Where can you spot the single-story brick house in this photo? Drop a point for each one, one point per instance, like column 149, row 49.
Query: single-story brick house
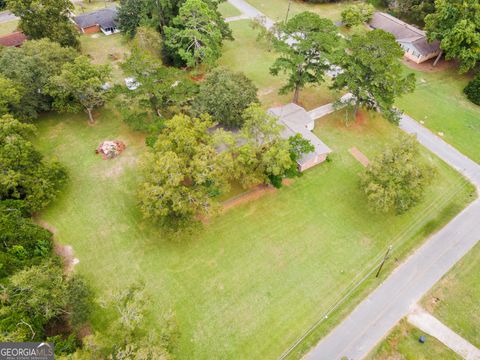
column 413, row 40
column 104, row 20
column 296, row 120
column 15, row 39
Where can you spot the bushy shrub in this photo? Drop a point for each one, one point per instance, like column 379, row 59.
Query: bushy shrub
column 472, row 90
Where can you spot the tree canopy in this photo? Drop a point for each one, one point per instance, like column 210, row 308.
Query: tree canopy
column 196, row 33
column 161, row 92
column 372, row 73
column 24, row 174
column 10, row 95
column 80, row 85
column 306, row 45
column 46, row 19
column 225, row 95
column 30, row 67
column 357, row 14
column 396, row 180
column 183, row 172
column 456, row 24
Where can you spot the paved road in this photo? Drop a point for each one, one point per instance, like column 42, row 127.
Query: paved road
column 251, row 12
column 6, row 16
column 375, row 316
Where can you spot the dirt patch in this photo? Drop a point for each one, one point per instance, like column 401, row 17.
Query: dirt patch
column 360, row 118
column 46, row 225
column 359, row 156
column 66, row 253
column 252, row 195
column 198, row 78
column 84, row 331
column 266, row 91
column 119, row 166
column 427, row 66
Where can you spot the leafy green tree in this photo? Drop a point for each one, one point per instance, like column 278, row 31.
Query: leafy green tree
column 412, row 10
column 10, row 95
column 22, row 242
column 183, row 173
column 24, row 174
column 128, row 336
column 46, row 19
column 225, row 95
column 298, row 147
column 195, row 35
column 357, row 14
column 130, row 16
column 472, row 90
column 396, row 180
column 263, row 156
column 456, row 24
column 162, row 91
column 31, row 67
column 34, row 297
column 79, row 86
column 372, row 73
column 306, row 44
column 148, row 40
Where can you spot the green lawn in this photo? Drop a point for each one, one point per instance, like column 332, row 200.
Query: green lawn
column 255, row 278
column 440, row 103
column 402, row 344
column 253, row 58
column 455, row 299
column 228, row 10
column 277, row 9
column 91, row 5
column 103, row 49
column 8, row 27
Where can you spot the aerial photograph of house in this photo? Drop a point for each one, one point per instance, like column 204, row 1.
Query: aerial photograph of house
column 240, row 179
column 103, row 20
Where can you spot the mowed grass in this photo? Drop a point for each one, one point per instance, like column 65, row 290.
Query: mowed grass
column 402, row 343
column 92, row 5
column 455, row 299
column 228, row 10
column 8, row 27
column 252, row 281
column 255, row 278
column 254, row 59
column 102, row 49
column 277, row 9
column 440, row 103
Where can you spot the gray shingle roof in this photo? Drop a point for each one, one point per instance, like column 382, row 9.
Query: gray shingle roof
column 105, row 18
column 404, row 33
column 295, row 119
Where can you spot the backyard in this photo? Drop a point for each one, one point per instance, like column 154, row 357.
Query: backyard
column 251, row 281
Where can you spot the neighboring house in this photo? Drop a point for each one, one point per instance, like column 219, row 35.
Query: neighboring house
column 413, row 40
column 104, row 20
column 295, row 120
column 15, row 39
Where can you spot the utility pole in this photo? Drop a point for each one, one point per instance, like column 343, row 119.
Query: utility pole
column 288, row 10
column 385, row 258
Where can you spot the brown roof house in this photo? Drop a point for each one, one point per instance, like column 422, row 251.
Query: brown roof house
column 15, row 39
column 295, row 120
column 104, row 20
column 413, row 40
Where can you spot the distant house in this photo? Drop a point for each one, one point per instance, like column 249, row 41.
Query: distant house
column 295, row 120
column 104, row 20
column 413, row 40
column 15, row 39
